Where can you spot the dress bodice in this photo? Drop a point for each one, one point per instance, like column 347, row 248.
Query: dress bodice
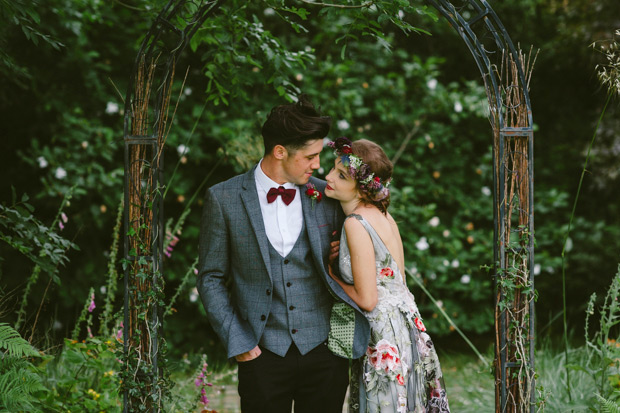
column 391, row 288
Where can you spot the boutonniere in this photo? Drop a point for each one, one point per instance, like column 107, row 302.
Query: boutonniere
column 313, row 193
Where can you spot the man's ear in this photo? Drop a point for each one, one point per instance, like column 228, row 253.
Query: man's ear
column 279, row 152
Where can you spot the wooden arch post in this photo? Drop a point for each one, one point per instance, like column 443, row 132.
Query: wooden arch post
column 505, row 74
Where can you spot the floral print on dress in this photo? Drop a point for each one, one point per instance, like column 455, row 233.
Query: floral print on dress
column 400, row 371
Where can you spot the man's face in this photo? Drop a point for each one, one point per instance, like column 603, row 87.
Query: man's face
column 298, row 166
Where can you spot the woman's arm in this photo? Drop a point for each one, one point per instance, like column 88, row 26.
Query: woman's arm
column 364, row 288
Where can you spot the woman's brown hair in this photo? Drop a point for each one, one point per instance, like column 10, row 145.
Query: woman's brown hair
column 378, row 162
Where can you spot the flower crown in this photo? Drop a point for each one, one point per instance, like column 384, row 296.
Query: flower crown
column 360, row 171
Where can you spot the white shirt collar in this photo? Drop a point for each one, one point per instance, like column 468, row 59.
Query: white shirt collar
column 265, row 183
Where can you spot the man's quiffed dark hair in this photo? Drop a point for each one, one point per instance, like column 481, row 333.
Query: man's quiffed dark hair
column 293, row 125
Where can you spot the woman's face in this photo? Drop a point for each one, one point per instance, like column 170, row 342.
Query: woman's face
column 340, row 185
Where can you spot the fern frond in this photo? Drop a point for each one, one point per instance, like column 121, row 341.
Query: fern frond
column 608, row 406
column 14, row 344
column 17, row 384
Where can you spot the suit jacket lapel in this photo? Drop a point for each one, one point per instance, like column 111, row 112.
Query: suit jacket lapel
column 250, row 201
column 309, row 212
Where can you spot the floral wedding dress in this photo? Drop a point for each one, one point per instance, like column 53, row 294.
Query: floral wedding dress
column 400, row 371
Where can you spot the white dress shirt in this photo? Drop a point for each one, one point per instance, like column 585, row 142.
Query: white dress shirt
column 282, row 222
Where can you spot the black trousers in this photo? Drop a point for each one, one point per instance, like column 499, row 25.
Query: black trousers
column 316, row 382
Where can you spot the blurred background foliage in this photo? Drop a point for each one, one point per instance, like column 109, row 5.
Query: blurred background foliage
column 397, row 74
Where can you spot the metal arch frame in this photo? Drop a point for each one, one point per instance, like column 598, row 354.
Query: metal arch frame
column 484, row 25
column 486, row 20
column 163, row 38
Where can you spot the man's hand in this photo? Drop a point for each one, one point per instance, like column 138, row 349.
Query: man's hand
column 248, row 355
column 334, row 250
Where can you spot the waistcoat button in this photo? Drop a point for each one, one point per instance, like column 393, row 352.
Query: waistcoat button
column 288, row 284
column 294, row 331
column 286, row 261
column 268, row 292
column 291, row 307
column 263, row 317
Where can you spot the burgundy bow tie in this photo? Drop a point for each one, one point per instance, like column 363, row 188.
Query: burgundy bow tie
column 287, row 194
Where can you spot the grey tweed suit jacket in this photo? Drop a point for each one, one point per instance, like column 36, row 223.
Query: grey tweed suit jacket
column 234, row 280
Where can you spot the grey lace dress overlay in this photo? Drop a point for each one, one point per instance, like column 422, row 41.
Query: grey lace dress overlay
column 400, row 372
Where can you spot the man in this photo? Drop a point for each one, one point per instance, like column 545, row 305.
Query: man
column 264, row 251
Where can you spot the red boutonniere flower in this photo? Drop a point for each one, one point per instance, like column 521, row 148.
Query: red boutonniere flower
column 419, row 324
column 313, row 193
column 387, row 272
column 400, row 380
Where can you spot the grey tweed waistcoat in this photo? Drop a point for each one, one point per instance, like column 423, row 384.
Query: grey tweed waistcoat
column 301, row 304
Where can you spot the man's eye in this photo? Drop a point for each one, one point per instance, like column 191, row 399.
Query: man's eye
column 341, row 176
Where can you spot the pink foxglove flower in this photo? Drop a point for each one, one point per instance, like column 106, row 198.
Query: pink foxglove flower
column 92, row 305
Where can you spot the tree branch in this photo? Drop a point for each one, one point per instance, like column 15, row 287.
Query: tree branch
column 412, row 132
column 339, row 6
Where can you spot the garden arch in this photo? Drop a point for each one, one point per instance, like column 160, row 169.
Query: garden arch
column 505, row 73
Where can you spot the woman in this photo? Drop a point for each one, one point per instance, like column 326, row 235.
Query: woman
column 400, row 371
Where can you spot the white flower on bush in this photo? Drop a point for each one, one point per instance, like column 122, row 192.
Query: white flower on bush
column 111, row 108
column 42, row 162
column 431, row 84
column 422, row 244
column 103, row 289
column 455, row 263
column 458, row 107
column 446, row 263
column 537, row 269
column 432, row 276
column 465, row 279
column 269, row 11
column 486, row 190
column 182, row 150
column 193, row 295
column 434, row 221
column 343, row 124
column 427, row 137
column 439, row 303
column 60, row 173
column 187, row 91
column 446, row 233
